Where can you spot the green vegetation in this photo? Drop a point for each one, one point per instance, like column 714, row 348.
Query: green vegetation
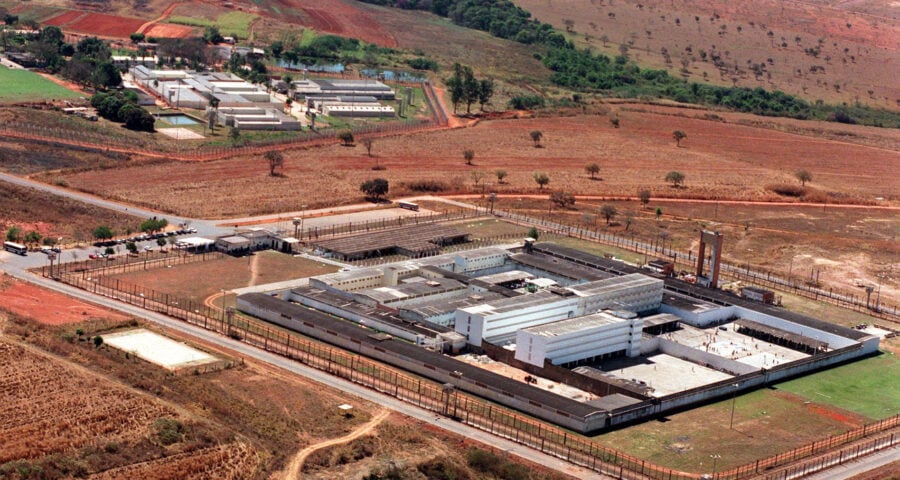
column 122, row 106
column 25, row 86
column 234, row 24
column 868, row 387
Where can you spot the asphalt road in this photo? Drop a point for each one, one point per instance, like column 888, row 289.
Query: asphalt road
column 248, row 351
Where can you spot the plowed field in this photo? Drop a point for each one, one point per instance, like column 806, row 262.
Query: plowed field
column 51, row 407
column 168, row 30
column 339, row 17
column 99, row 24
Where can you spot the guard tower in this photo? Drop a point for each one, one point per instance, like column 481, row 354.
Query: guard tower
column 714, row 239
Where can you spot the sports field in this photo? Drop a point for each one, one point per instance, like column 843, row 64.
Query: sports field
column 24, row 86
column 868, row 387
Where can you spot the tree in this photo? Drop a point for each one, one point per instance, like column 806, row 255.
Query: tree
column 614, row 121
column 109, row 251
column 13, row 233
column 541, row 179
column 102, row 233
column 804, row 176
column 629, row 219
column 469, row 155
column 137, row 37
column 501, row 174
column 677, row 178
column 137, row 118
column 346, row 138
column 678, row 135
column 33, row 238
column 659, row 213
column 162, row 242
column 534, row 233
column 477, row 177
column 375, row 188
column 131, row 247
column 211, row 35
column 536, row 137
column 563, row 199
column 276, row 160
column 608, row 212
column 98, row 341
column 152, row 225
column 592, row 169
column 485, row 93
column 368, row 143
column 644, row 196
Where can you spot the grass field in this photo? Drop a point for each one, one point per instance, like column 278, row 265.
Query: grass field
column 23, row 86
column 229, row 24
column 868, row 387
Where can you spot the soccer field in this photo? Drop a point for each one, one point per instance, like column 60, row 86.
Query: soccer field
column 24, row 86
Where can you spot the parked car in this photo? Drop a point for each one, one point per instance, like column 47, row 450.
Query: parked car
column 93, row 256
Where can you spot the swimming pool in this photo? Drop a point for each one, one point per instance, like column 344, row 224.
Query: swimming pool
column 178, row 119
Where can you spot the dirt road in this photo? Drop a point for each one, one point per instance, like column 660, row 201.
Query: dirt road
column 294, row 468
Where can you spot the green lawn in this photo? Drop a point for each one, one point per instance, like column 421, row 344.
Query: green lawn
column 24, row 86
column 229, row 24
column 870, row 387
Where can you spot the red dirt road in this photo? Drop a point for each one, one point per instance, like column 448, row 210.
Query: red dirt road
column 154, row 28
column 49, row 307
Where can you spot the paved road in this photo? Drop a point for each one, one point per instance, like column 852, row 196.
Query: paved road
column 248, row 351
column 856, row 467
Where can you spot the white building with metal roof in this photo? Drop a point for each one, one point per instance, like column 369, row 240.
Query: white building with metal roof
column 586, row 338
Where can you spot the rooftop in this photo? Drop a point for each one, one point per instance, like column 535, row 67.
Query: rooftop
column 574, row 325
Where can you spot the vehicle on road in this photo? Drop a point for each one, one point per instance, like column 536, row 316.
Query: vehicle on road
column 16, row 248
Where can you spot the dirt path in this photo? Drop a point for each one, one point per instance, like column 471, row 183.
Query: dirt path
column 254, row 270
column 295, row 466
column 684, row 200
column 164, row 15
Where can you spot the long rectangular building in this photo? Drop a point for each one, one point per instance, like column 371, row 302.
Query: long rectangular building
column 579, row 339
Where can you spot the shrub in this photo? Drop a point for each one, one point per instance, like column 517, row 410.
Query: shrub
column 787, row 190
column 168, row 430
column 427, row 186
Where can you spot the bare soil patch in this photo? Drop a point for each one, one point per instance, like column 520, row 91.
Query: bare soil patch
column 49, row 307
column 339, row 17
column 719, row 160
column 104, row 25
column 169, row 30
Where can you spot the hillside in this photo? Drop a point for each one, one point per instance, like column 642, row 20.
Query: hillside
column 815, row 50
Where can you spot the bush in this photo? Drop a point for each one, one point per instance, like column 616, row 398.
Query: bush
column 787, row 190
column 168, row 430
column 526, row 102
column 427, row 186
column 442, row 468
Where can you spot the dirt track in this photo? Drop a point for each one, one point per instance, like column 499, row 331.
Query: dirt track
column 295, row 467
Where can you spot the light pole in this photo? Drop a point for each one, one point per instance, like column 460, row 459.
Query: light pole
column 733, row 399
column 715, row 458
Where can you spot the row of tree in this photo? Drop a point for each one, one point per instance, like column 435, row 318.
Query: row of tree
column 466, row 88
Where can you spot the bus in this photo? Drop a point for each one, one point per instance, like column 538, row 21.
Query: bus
column 16, row 248
column 409, row 206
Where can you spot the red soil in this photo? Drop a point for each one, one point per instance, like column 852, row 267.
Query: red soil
column 340, row 18
column 165, row 30
column 49, row 307
column 105, row 25
column 65, row 18
column 836, row 415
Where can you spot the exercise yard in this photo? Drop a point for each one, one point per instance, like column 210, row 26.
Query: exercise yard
column 24, row 86
column 158, row 349
column 198, row 281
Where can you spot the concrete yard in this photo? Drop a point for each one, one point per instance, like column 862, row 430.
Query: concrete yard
column 728, row 343
column 482, row 361
column 664, row 373
column 157, row 349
